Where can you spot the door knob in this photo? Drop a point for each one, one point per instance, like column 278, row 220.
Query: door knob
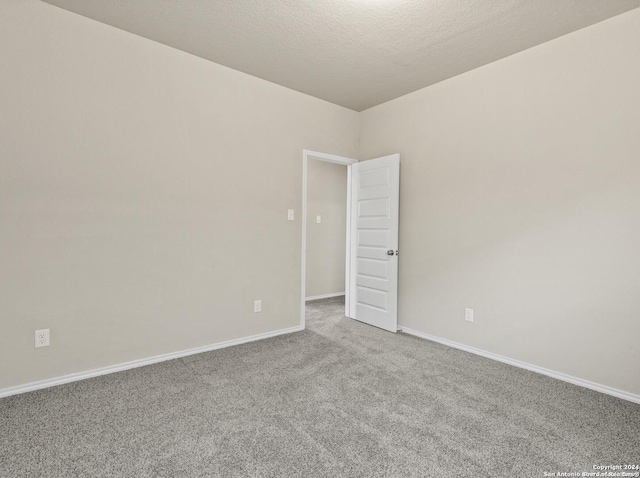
column 390, row 252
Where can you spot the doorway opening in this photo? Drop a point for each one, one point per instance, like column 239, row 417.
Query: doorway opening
column 371, row 242
column 326, row 231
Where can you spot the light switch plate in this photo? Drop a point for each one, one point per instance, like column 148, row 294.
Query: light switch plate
column 291, row 215
column 468, row 315
column 318, row 219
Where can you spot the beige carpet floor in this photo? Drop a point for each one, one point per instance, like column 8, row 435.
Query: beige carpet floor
column 340, row 399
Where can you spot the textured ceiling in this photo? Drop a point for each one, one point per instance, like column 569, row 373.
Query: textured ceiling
column 355, row 53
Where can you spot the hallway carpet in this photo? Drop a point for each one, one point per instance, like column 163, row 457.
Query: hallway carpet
column 340, row 399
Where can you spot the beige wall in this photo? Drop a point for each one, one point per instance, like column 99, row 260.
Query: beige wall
column 326, row 242
column 520, row 198
column 143, row 192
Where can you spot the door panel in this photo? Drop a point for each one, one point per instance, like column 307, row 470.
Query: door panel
column 374, row 177
column 372, row 268
column 372, row 208
column 374, row 225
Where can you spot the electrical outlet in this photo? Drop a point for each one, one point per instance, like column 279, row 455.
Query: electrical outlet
column 257, row 305
column 468, row 315
column 42, row 338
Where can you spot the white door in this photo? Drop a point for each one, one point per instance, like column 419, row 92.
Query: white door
column 374, row 241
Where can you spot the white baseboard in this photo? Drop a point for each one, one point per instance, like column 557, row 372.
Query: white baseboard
column 533, row 368
column 325, row 296
column 74, row 377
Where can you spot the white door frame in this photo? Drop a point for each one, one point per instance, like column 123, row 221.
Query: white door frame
column 330, row 158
